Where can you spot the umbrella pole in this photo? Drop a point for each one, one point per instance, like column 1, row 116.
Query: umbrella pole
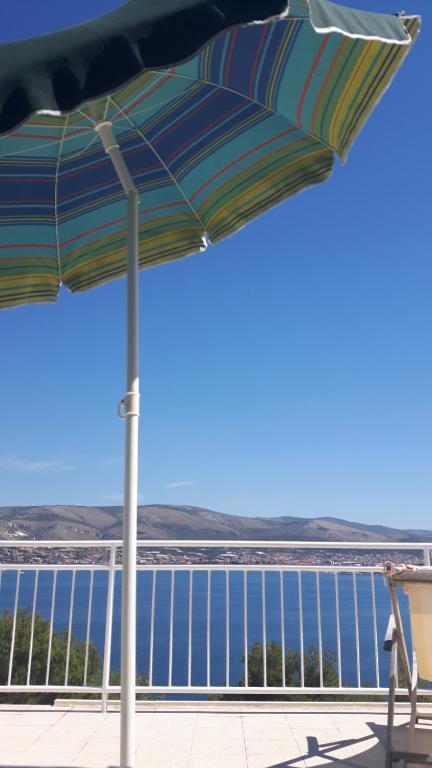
column 129, row 410
column 131, row 406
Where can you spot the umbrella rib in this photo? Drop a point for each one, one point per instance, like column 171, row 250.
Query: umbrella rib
column 162, row 162
column 87, row 117
column 247, row 98
column 56, row 199
column 38, row 147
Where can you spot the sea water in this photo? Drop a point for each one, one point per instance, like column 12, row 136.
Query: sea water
column 355, row 668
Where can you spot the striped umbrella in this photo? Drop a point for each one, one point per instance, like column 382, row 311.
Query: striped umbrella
column 203, row 146
column 256, row 116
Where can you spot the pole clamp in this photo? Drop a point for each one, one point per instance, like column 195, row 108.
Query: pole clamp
column 128, row 405
column 105, row 131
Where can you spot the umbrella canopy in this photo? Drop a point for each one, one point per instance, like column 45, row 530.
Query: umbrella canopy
column 255, row 117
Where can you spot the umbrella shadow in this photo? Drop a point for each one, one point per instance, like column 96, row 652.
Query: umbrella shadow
column 371, row 757
column 334, row 752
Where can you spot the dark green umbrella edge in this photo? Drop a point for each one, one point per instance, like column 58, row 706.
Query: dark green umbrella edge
column 61, row 70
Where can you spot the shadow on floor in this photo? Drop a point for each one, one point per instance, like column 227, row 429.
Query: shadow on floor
column 372, row 756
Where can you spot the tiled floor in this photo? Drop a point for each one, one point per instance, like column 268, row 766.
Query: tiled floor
column 278, row 736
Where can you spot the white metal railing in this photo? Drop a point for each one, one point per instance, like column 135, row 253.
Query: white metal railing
column 278, row 599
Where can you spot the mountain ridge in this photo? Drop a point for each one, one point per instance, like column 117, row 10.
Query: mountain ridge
column 166, row 521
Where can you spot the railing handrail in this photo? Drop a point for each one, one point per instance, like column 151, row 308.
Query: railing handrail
column 292, row 568
column 218, row 544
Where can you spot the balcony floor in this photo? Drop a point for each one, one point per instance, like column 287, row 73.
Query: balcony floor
column 203, row 735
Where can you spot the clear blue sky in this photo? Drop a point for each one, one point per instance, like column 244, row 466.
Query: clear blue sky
column 288, row 370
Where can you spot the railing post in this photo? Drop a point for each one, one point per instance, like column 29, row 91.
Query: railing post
column 108, row 629
column 427, row 556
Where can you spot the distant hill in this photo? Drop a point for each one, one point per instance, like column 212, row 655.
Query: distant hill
column 158, row 521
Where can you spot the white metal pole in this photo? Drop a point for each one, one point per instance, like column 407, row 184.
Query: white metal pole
column 129, row 410
column 128, row 613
